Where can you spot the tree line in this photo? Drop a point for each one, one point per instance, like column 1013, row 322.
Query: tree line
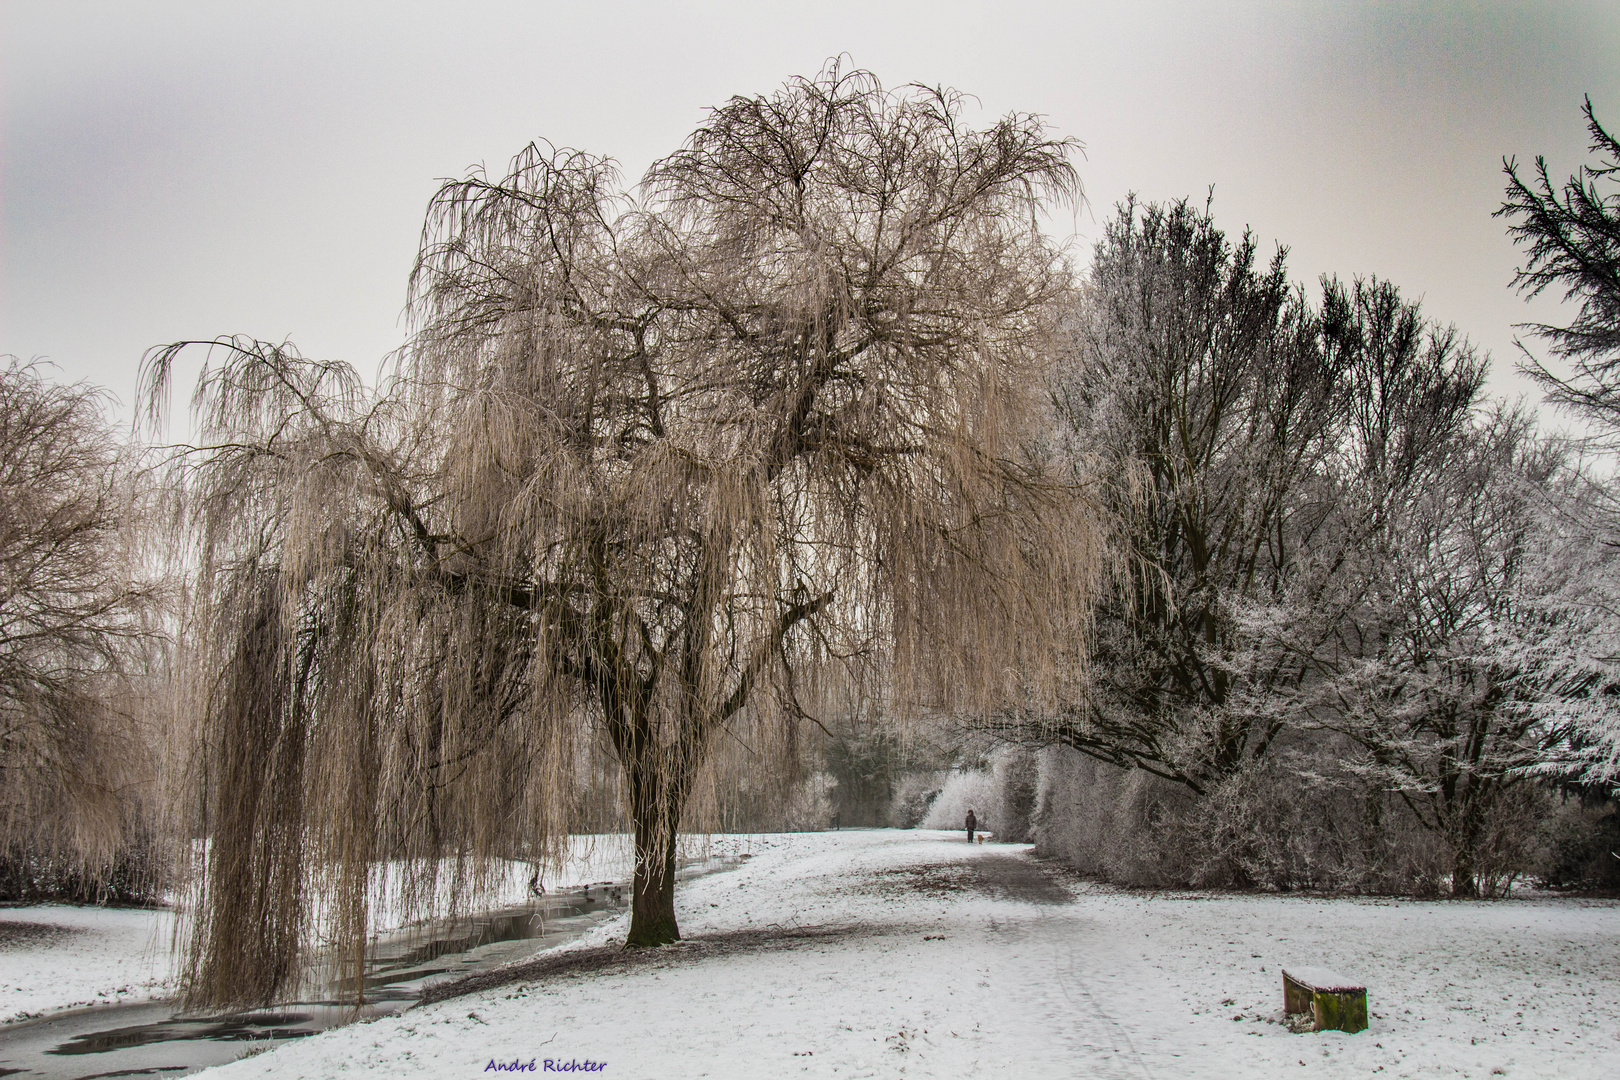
column 1336, row 551
column 813, row 426
column 1368, row 613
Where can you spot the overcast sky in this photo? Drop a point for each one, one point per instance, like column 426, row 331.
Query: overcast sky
column 188, row 169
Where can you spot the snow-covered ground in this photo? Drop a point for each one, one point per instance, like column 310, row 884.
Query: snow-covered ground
column 891, row 953
column 53, row 956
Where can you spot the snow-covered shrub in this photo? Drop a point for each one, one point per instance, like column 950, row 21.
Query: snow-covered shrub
column 132, row 875
column 1015, row 774
column 1245, row 833
column 1507, row 849
column 914, row 794
column 1274, row 826
column 964, row 789
column 1579, row 846
column 1105, row 821
column 1002, row 796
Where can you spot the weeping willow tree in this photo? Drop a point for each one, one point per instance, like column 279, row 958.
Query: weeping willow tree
column 79, row 625
column 751, row 446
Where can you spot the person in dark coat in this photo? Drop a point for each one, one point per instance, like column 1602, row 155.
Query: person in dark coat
column 972, row 823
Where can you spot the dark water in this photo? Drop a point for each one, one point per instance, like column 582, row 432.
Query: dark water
column 151, row 1039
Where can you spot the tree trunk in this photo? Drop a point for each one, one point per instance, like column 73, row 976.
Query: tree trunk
column 1464, row 878
column 1372, row 841
column 652, row 905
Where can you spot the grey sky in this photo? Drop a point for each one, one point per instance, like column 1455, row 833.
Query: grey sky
column 177, row 169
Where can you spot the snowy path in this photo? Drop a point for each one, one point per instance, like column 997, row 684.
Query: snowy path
column 888, row 953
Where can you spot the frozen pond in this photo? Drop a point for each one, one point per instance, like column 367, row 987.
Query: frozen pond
column 151, row 1039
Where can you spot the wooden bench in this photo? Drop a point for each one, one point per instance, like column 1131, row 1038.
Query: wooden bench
column 1334, row 1002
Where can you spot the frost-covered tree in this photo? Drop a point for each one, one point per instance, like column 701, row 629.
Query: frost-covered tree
column 1564, row 644
column 1198, row 389
column 1424, row 684
column 1571, row 239
column 1252, row 447
column 653, row 472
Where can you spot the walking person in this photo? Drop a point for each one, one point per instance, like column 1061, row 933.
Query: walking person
column 972, row 823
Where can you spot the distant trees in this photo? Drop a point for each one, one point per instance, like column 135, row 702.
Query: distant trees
column 1350, row 586
column 651, row 474
column 864, row 766
column 75, row 624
